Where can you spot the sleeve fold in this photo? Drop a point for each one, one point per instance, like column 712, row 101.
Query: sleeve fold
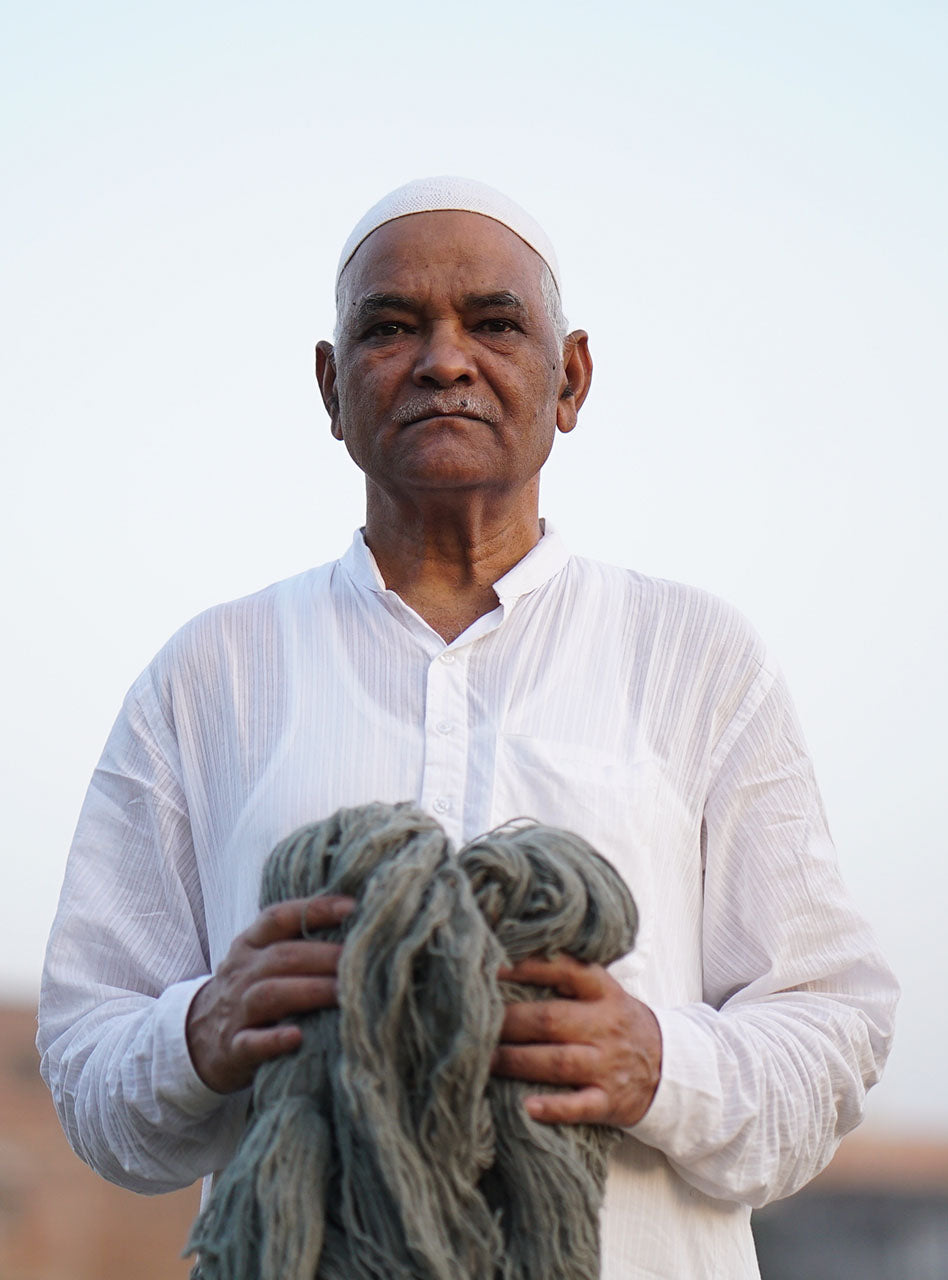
column 126, row 954
column 762, row 1079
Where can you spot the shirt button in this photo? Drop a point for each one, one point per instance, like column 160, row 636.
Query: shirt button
column 447, row 658
column 441, row 805
column 444, row 726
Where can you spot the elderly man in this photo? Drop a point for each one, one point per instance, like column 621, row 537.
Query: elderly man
column 460, row 657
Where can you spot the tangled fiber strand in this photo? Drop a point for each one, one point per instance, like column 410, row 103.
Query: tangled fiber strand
column 343, row 1170
column 543, row 891
column 383, row 1149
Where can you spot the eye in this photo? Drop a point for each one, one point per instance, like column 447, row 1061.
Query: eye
column 497, row 324
column 386, row 329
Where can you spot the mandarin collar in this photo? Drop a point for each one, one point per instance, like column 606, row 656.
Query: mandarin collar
column 536, row 568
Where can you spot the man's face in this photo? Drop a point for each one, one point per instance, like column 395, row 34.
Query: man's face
column 448, row 370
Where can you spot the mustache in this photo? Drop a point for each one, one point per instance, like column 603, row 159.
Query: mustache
column 438, row 406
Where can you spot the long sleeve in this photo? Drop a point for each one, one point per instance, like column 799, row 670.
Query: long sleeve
column 642, row 714
column 761, row 1080
column 127, row 952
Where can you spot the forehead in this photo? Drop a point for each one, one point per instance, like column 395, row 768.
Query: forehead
column 464, row 252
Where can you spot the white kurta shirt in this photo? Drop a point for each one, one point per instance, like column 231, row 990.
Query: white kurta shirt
column 642, row 714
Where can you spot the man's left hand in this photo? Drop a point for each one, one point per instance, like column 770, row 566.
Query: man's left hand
column 600, row 1041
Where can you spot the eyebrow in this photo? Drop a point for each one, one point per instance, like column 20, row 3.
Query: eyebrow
column 371, row 304
column 503, row 298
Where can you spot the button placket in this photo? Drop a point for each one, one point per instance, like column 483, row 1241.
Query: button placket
column 445, row 771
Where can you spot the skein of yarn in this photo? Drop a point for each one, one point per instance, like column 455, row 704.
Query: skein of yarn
column 543, row 890
column 383, row 1148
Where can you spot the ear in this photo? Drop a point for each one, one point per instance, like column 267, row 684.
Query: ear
column 577, row 376
column 326, row 377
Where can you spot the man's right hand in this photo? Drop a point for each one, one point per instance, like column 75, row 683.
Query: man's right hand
column 271, row 971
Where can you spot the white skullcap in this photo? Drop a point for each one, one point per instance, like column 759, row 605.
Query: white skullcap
column 426, row 195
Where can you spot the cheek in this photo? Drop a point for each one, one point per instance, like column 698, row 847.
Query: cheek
column 357, row 395
column 367, row 385
column 539, row 393
column 348, row 404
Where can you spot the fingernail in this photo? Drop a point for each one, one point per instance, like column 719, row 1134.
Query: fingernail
column 343, row 908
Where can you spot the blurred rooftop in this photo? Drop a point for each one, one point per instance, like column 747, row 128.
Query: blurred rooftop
column 60, row 1221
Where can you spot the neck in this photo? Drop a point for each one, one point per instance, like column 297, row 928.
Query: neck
column 444, row 556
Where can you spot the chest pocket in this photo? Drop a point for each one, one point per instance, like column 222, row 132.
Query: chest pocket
column 608, row 801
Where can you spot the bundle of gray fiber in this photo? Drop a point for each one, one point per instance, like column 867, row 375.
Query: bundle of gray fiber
column 383, row 1149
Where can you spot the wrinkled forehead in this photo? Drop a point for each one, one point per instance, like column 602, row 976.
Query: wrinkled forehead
column 468, row 252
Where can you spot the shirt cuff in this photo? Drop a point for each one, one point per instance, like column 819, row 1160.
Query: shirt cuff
column 174, row 1078
column 688, row 1077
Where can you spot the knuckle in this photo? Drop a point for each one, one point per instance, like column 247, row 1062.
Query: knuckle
column 311, row 992
column 282, row 957
column 320, row 908
column 513, row 1020
column 273, row 914
column 258, row 1001
column 547, row 1021
column 233, row 961
column 237, row 1050
column 561, row 1063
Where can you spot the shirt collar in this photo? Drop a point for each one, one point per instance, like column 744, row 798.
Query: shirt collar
column 537, row 567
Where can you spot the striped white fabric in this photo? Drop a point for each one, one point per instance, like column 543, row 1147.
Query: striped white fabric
column 642, row 714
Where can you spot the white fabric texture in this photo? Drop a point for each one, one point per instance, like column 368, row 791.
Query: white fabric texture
column 642, row 714
column 426, row 195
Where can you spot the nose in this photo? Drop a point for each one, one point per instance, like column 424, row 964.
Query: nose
column 445, row 358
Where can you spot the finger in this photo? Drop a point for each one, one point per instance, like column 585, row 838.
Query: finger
column 325, row 910
column 273, row 999
column 298, row 957
column 574, row 1064
column 581, row 1106
column 563, row 973
column 254, row 1045
column 547, row 1022
column 289, row 919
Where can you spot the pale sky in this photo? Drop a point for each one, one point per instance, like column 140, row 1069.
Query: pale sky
column 749, row 203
